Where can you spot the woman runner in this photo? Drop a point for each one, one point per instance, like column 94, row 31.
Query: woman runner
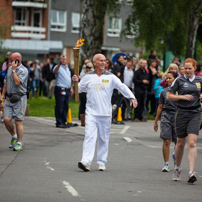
column 188, row 116
column 167, row 110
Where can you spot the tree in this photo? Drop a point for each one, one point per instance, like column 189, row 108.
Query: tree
column 164, row 24
column 93, row 21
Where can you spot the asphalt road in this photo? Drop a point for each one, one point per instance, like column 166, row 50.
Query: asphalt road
column 46, row 170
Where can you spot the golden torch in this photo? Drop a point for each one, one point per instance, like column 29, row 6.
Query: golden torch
column 76, row 51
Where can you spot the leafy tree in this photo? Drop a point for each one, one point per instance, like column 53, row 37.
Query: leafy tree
column 94, row 12
column 165, row 24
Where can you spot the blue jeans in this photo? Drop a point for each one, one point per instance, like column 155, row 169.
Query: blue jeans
column 61, row 107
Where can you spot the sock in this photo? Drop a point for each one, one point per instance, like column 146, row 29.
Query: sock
column 15, row 136
column 19, row 143
column 190, row 172
column 177, row 167
column 166, row 163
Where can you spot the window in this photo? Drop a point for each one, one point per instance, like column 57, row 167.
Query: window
column 130, row 2
column 20, row 17
column 58, row 20
column 114, row 26
column 75, row 22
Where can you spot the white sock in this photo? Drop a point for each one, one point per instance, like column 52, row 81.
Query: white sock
column 15, row 136
column 177, row 168
column 166, row 163
column 19, row 143
column 190, row 172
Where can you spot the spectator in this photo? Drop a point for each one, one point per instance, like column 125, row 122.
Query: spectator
column 171, row 68
column 37, row 73
column 198, row 71
column 32, row 78
column 41, row 79
column 83, row 66
column 4, row 65
column 109, row 65
column 181, row 70
column 50, row 77
column 62, row 90
column 177, row 61
column 153, row 56
column 157, row 89
column 150, row 92
column 119, row 67
column 134, row 60
column 141, row 80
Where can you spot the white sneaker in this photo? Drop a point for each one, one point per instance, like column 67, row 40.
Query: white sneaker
column 102, row 167
column 166, row 168
column 84, row 166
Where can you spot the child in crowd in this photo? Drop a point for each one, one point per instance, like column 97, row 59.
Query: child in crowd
column 157, row 89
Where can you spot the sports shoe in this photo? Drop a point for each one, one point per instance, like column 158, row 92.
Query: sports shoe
column 84, row 166
column 102, row 167
column 12, row 144
column 166, row 168
column 192, row 177
column 176, row 175
column 17, row 147
column 174, row 159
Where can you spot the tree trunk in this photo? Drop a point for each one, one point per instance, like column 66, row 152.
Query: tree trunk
column 193, row 27
column 92, row 26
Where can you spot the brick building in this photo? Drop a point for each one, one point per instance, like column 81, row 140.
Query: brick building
column 41, row 28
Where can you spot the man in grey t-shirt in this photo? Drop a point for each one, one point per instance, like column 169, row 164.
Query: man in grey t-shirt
column 14, row 94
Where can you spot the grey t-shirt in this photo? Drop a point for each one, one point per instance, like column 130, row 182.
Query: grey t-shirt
column 167, row 105
column 22, row 73
column 185, row 86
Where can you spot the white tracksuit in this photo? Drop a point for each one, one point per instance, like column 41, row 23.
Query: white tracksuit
column 99, row 111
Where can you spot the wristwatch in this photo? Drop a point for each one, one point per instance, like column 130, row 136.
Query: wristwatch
column 0, row 101
column 13, row 71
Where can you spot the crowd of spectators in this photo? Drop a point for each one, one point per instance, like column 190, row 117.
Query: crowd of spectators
column 143, row 77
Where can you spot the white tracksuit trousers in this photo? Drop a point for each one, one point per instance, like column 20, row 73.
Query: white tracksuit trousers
column 96, row 125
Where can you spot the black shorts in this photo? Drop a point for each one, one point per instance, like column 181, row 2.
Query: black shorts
column 168, row 126
column 187, row 122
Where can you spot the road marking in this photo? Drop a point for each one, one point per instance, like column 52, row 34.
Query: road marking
column 70, row 189
column 127, row 139
column 124, row 129
column 47, row 165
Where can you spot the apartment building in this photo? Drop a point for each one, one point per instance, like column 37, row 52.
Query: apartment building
column 42, row 28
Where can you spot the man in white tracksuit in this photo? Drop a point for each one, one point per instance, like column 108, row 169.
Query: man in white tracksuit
column 99, row 86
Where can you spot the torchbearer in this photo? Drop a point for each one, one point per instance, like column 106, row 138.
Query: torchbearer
column 99, row 86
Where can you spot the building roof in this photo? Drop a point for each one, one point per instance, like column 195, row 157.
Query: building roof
column 33, row 46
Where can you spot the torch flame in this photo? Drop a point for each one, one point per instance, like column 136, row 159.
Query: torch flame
column 79, row 43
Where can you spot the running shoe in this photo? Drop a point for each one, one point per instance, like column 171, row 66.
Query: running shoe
column 166, row 168
column 102, row 167
column 17, row 147
column 12, row 144
column 84, row 166
column 174, row 159
column 192, row 177
column 176, row 175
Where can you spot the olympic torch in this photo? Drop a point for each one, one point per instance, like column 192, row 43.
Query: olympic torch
column 76, row 51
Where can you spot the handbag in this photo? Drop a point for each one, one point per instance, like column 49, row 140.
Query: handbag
column 15, row 98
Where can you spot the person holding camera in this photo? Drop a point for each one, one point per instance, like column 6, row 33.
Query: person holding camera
column 15, row 100
column 62, row 90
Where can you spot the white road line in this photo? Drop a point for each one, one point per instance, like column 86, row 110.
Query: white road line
column 127, row 139
column 124, row 129
column 47, row 165
column 70, row 189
